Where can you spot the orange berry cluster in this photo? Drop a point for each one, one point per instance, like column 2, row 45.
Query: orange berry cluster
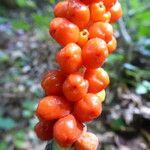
column 75, row 92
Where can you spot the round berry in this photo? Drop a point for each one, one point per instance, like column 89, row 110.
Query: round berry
column 52, row 107
column 78, row 13
column 75, row 87
column 69, row 58
column 67, row 130
column 60, row 9
column 88, row 108
column 97, row 11
column 101, row 30
column 63, row 31
column 52, row 82
column 98, row 79
column 87, row 141
column 109, row 3
column 112, row 45
column 44, row 130
column 116, row 12
column 83, row 38
column 94, row 53
column 101, row 95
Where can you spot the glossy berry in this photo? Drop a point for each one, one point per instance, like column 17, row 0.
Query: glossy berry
column 109, row 3
column 70, row 58
column 44, row 130
column 88, row 2
column 75, row 87
column 83, row 38
column 101, row 30
column 107, row 16
column 67, row 130
column 87, row 141
column 52, row 107
column 60, row 9
column 88, row 108
column 94, row 53
column 116, row 12
column 101, row 95
column 112, row 45
column 63, row 31
column 98, row 79
column 78, row 13
column 52, row 82
column 97, row 11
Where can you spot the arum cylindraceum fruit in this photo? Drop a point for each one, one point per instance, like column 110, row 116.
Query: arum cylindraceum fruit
column 74, row 93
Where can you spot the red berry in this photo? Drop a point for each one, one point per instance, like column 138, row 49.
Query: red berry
column 78, row 13
column 75, row 87
column 101, row 30
column 52, row 107
column 98, row 79
column 94, row 53
column 67, row 130
column 44, row 130
column 88, row 108
column 52, row 82
column 116, row 12
column 64, row 31
column 69, row 58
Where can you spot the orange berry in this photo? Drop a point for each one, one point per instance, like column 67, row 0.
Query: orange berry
column 52, row 82
column 107, row 16
column 44, row 130
column 87, row 141
column 98, row 79
column 88, row 108
column 60, row 9
column 97, row 11
column 63, row 31
column 112, row 45
column 75, row 87
column 67, row 130
column 109, row 3
column 52, row 107
column 78, row 13
column 116, row 12
column 94, row 53
column 88, row 2
column 70, row 58
column 83, row 38
column 101, row 95
column 101, row 30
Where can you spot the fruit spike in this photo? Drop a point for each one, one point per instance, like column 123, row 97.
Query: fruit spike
column 74, row 93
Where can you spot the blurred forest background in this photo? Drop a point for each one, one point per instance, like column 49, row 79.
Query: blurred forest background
column 27, row 51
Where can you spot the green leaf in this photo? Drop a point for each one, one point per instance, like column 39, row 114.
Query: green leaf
column 20, row 24
column 41, row 20
column 4, row 58
column 20, row 135
column 7, row 123
column 52, row 1
column 19, row 139
column 143, row 88
column 27, row 114
column 113, row 58
column 117, row 124
column 29, row 105
column 26, row 3
column 3, row 146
